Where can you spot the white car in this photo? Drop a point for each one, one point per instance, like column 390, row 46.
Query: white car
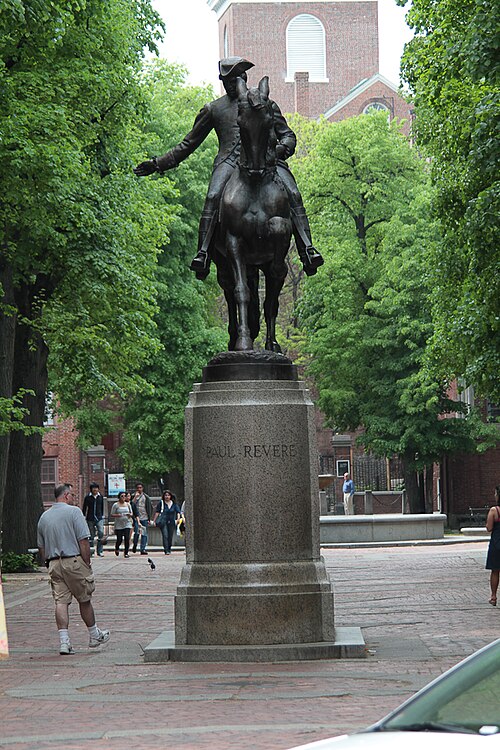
column 460, row 710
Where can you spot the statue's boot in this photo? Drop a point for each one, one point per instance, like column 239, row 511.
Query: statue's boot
column 310, row 258
column 201, row 261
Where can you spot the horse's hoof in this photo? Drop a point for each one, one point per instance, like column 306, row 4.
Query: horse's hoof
column 243, row 344
column 273, row 346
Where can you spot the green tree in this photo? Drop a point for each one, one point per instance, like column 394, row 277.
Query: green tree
column 189, row 332
column 77, row 230
column 453, row 69
column 367, row 316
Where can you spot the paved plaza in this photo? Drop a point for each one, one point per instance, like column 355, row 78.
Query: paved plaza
column 421, row 609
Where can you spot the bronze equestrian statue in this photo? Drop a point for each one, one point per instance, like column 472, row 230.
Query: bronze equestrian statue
column 221, row 116
column 255, row 226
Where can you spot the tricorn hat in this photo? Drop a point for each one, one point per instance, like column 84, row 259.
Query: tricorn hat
column 230, row 67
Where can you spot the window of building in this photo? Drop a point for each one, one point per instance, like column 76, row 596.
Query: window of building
column 306, row 48
column 492, row 411
column 465, row 395
column 226, row 42
column 375, row 107
column 49, row 478
column 49, row 410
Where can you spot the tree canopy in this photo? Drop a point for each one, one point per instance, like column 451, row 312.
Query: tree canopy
column 78, row 231
column 368, row 315
column 452, row 66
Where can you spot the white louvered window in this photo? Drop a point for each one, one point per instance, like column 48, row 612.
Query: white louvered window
column 305, row 47
column 226, row 42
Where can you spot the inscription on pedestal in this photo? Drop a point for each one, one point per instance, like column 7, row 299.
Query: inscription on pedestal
column 251, row 467
column 262, row 450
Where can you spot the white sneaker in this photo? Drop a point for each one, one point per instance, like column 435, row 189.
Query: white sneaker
column 66, row 648
column 103, row 637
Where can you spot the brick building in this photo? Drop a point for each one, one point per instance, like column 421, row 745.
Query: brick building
column 322, row 58
column 64, row 461
column 468, row 480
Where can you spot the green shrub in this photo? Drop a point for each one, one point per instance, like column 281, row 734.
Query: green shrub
column 13, row 563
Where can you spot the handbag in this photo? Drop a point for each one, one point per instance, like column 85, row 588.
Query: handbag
column 161, row 520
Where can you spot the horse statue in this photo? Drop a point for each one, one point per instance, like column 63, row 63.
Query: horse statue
column 255, row 226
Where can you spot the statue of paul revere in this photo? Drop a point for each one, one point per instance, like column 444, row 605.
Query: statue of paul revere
column 221, row 116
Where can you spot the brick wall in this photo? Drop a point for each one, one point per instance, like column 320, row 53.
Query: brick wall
column 301, row 94
column 59, row 443
column 471, row 480
column 383, row 503
column 257, row 31
column 378, row 92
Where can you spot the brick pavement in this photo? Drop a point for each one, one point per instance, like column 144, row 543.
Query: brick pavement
column 421, row 610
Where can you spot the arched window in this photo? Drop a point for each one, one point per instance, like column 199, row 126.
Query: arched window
column 305, row 47
column 375, row 107
column 226, row 42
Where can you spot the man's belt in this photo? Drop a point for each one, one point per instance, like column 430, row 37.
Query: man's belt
column 61, row 557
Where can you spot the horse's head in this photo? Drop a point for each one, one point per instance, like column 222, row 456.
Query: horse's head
column 255, row 120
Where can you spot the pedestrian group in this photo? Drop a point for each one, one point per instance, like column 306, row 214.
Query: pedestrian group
column 65, row 535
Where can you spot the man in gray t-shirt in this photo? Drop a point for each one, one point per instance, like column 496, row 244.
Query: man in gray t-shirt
column 63, row 541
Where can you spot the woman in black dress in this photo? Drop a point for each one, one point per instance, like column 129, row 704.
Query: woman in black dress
column 493, row 557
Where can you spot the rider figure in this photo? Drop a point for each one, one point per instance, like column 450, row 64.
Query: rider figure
column 221, row 115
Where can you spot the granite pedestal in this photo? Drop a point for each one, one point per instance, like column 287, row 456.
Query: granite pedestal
column 254, row 587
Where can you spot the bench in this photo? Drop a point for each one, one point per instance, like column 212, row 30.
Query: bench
column 477, row 516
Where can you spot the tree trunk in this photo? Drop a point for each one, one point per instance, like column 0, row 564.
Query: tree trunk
column 429, row 486
column 23, row 501
column 413, row 493
column 7, row 339
column 175, row 481
column 15, row 536
column 34, row 451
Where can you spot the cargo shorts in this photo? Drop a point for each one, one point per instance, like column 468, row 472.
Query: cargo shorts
column 70, row 576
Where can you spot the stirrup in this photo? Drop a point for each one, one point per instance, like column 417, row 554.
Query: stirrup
column 311, row 260
column 199, row 262
column 200, row 265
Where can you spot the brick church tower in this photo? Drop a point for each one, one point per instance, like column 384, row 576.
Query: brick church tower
column 321, row 57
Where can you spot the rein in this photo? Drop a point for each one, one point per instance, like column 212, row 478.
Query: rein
column 257, row 172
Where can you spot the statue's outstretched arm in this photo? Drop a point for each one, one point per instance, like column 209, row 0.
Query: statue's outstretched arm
column 202, row 126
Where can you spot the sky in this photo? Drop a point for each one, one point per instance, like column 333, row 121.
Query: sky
column 192, row 38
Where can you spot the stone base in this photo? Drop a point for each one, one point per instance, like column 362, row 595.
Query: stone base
column 348, row 644
column 474, row 531
column 254, row 604
column 253, row 575
column 388, row 527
